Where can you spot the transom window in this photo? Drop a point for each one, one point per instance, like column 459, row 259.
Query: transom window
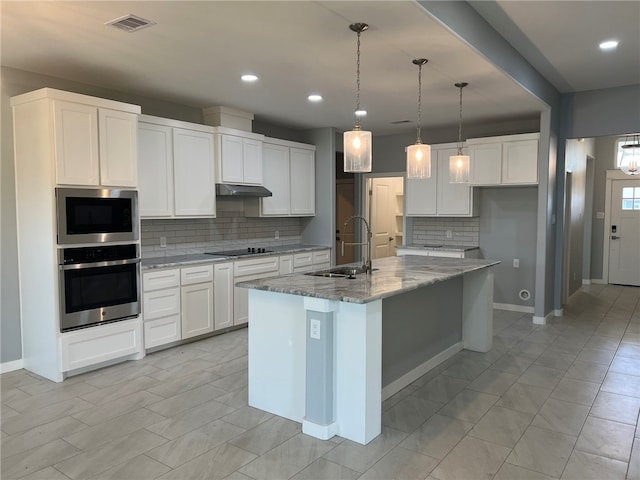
column 630, row 198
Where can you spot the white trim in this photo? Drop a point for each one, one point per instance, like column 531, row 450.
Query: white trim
column 513, row 308
column 411, row 376
column 7, row 367
column 558, row 312
column 611, row 175
column 586, row 281
column 598, row 281
column 542, row 320
column 323, row 432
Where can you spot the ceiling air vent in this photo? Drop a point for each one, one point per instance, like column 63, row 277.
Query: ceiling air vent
column 130, row 23
column 399, row 122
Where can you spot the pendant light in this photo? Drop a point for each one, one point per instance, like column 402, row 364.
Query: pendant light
column 419, row 154
column 459, row 164
column 357, row 142
column 630, row 155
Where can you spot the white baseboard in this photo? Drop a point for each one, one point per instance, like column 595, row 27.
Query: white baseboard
column 542, row 320
column 411, row 376
column 323, row 432
column 513, row 308
column 586, row 281
column 598, row 281
column 7, row 367
column 559, row 312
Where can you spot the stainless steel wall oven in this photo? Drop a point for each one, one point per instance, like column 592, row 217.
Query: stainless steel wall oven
column 98, row 215
column 98, row 284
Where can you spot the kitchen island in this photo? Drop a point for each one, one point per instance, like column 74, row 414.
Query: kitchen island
column 327, row 351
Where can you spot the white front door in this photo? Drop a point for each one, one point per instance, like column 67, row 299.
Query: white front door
column 624, row 230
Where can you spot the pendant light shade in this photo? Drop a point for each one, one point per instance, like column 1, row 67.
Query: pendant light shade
column 459, row 164
column 419, row 154
column 357, row 142
column 631, row 155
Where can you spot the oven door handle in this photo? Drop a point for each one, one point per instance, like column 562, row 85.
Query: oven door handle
column 111, row 263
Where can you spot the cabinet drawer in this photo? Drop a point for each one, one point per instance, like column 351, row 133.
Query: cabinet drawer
column 321, row 257
column 91, row 346
column 446, row 253
column 161, row 331
column 199, row 274
column 159, row 279
column 161, row 303
column 242, row 268
column 302, row 260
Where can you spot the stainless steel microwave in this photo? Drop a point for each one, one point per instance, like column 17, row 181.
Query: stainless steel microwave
column 99, row 215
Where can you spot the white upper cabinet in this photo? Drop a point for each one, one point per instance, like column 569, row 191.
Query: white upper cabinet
column 94, row 146
column 176, row 164
column 239, row 157
column 289, row 174
column 506, row 160
column 436, row 196
column 302, row 181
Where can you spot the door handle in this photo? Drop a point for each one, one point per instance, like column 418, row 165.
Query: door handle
column 390, row 238
column 614, row 237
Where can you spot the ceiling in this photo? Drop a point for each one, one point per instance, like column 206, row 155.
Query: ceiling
column 196, row 52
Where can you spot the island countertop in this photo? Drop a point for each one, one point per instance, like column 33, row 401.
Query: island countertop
column 394, row 275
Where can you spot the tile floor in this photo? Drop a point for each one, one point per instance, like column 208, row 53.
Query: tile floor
column 553, row 401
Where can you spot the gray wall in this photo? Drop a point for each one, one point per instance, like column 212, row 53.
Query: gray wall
column 508, row 231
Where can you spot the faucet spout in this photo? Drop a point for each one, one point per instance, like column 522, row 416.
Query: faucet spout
column 367, row 263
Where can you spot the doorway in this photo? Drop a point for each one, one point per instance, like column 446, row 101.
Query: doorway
column 624, row 232
column 345, row 208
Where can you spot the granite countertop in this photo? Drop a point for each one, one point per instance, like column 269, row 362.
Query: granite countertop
column 195, row 258
column 451, row 248
column 394, row 275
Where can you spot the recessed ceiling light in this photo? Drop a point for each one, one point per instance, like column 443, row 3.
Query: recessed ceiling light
column 314, row 97
column 249, row 77
column 360, row 113
column 609, row 45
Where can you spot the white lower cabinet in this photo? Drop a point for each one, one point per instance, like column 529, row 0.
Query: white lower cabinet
column 252, row 269
column 197, row 309
column 286, row 264
column 475, row 253
column 223, row 295
column 91, row 346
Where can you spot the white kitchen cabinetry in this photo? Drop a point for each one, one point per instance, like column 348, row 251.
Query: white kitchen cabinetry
column 197, row 300
column 223, row 295
column 56, row 140
column 289, row 173
column 286, row 264
column 436, row 196
column 239, row 157
column 506, row 160
column 321, row 259
column 94, row 146
column 161, row 307
column 252, row 269
column 177, row 173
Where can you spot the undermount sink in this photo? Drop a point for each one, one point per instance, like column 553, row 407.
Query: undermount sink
column 339, row 272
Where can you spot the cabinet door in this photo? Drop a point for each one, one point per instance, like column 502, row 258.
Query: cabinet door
column 197, row 309
column 252, row 170
column 453, row 198
column 155, row 165
column 118, row 134
column 302, row 181
column 161, row 331
column 486, row 163
column 286, row 264
column 76, row 144
column 520, row 162
column 232, row 161
column 223, row 295
column 421, row 194
column 194, row 180
column 276, row 179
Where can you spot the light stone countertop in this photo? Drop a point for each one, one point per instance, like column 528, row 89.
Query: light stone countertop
column 394, row 275
column 196, row 258
column 450, row 248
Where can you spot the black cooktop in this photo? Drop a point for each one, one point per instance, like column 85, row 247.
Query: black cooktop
column 241, row 252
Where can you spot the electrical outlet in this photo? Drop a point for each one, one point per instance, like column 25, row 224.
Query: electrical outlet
column 449, row 233
column 314, row 329
column 163, row 242
column 277, row 235
column 516, row 263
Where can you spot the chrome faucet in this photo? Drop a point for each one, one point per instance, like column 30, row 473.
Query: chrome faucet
column 367, row 264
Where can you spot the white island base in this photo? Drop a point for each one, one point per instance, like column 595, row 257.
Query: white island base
column 329, row 364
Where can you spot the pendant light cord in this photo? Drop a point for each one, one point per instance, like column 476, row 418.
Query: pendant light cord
column 418, row 140
column 460, row 124
column 358, row 82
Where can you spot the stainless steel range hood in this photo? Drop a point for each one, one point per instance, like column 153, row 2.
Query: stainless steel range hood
column 232, row 190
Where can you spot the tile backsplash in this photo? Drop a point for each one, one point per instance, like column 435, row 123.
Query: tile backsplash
column 430, row 231
column 229, row 230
